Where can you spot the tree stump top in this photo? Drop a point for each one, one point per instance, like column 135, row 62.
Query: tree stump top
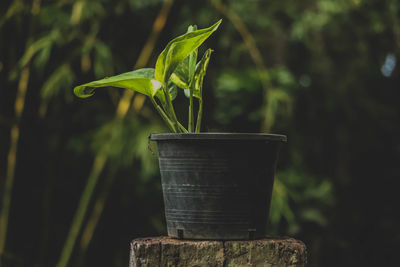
column 165, row 251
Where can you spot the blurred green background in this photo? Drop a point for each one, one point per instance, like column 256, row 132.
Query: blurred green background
column 323, row 72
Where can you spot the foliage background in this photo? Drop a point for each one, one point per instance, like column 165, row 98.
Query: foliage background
column 321, row 71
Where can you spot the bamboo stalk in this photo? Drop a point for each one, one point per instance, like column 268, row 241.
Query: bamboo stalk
column 158, row 26
column 15, row 134
column 96, row 212
column 101, row 157
column 84, row 201
column 255, row 53
column 12, row 157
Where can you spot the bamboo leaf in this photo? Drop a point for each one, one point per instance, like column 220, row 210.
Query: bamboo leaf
column 178, row 49
column 43, row 43
column 141, row 80
column 61, row 78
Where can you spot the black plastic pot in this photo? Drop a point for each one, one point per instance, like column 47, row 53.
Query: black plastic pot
column 217, row 185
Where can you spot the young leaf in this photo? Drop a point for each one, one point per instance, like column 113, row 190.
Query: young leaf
column 173, row 90
column 183, row 74
column 141, row 80
column 160, row 95
column 199, row 74
column 178, row 49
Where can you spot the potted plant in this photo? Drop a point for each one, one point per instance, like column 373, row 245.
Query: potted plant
column 215, row 185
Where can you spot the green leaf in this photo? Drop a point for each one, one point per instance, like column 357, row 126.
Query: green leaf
column 314, row 215
column 178, row 49
column 42, row 58
column 173, row 90
column 160, row 95
column 201, row 69
column 183, row 74
column 187, row 92
column 43, row 43
column 141, row 80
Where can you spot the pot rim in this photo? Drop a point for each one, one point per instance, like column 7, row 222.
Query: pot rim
column 218, row 136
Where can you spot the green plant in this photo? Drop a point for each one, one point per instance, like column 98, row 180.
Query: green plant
column 176, row 66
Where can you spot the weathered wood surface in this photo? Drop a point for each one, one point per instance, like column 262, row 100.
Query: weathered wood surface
column 165, row 251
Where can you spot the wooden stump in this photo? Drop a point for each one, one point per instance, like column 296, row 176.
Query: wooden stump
column 165, row 251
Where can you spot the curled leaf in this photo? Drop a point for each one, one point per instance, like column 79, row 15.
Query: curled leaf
column 201, row 69
column 141, row 81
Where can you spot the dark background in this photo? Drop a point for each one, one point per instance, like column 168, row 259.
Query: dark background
column 322, row 72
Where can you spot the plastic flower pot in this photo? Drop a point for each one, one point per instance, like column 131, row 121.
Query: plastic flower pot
column 217, row 185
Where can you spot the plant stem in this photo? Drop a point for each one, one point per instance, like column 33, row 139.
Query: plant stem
column 191, row 115
column 170, row 124
column 171, row 110
column 182, row 128
column 199, row 116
